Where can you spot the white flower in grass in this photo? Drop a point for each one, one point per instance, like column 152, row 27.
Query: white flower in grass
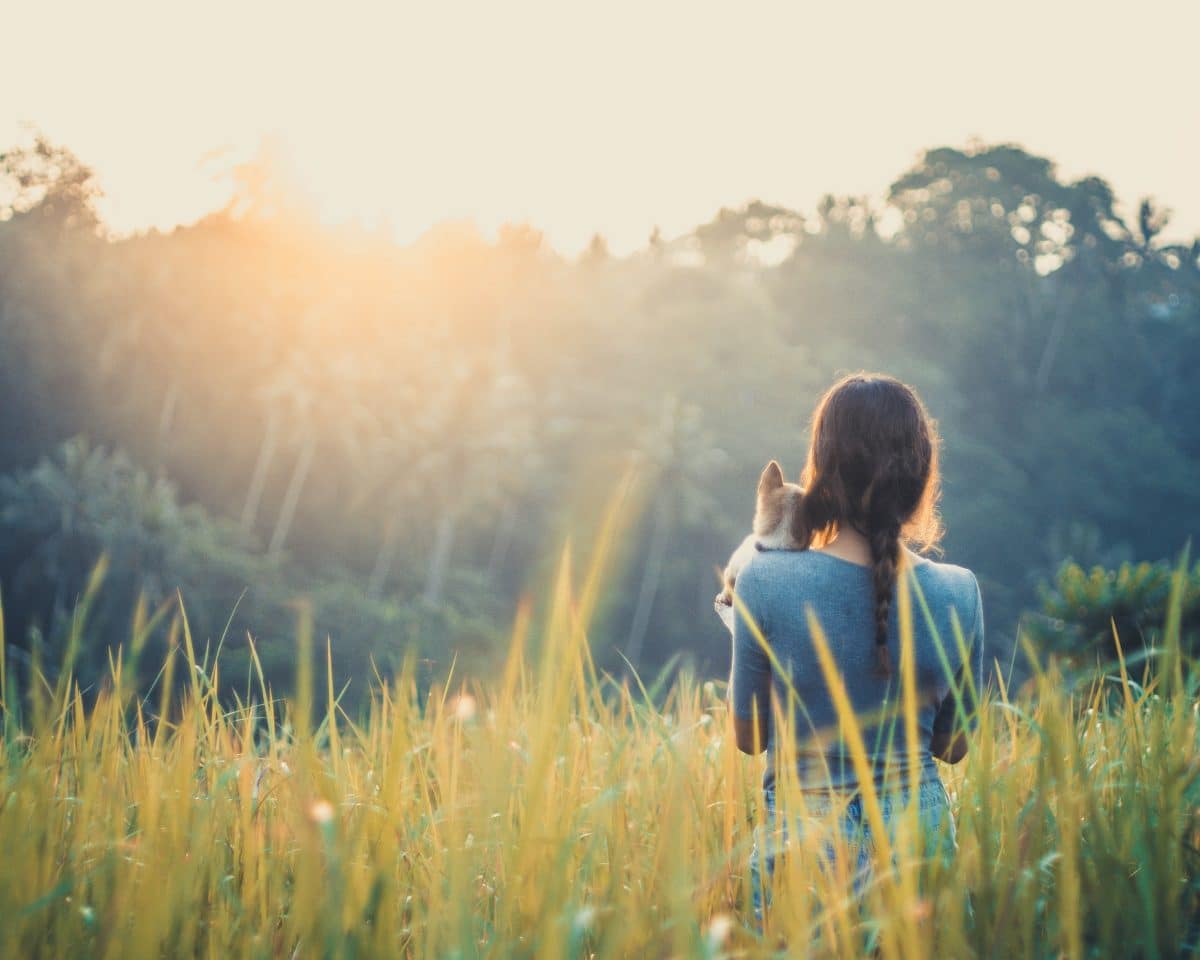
column 321, row 812
column 464, row 707
column 719, row 929
column 585, row 917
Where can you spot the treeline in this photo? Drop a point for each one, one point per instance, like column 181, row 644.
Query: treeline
column 407, row 435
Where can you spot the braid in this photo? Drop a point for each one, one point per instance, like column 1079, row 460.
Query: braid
column 885, row 557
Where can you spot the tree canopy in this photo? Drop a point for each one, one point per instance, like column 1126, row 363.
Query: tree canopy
column 418, row 427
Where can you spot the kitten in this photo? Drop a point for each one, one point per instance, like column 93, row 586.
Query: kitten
column 774, row 512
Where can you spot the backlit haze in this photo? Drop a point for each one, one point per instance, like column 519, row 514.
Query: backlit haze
column 612, row 117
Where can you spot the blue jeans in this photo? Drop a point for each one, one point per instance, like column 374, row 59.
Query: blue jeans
column 772, row 839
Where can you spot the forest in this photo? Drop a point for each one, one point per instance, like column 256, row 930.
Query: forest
column 272, row 418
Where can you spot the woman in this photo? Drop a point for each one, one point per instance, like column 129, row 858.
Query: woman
column 871, row 486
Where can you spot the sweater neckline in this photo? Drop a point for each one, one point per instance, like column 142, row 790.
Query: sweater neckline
column 831, row 556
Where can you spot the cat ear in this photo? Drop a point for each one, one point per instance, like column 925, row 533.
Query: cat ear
column 772, row 477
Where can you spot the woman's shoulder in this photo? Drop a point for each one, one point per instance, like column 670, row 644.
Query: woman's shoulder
column 948, row 578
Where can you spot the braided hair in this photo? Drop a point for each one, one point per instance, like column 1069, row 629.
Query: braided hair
column 873, row 466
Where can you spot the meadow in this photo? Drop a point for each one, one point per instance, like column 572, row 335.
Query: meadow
column 555, row 811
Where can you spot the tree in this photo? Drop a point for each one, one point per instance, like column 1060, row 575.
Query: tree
column 49, row 184
column 432, row 416
column 681, row 461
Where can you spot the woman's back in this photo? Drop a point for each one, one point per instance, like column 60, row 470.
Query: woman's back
column 779, row 587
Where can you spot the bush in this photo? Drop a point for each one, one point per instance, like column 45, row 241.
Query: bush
column 61, row 517
column 1082, row 608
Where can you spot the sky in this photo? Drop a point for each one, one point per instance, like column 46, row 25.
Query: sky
column 611, row 117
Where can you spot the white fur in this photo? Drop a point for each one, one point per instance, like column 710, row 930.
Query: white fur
column 778, row 539
column 741, row 556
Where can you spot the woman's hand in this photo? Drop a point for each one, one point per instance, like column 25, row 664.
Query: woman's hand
column 950, row 724
column 751, row 736
column 947, row 747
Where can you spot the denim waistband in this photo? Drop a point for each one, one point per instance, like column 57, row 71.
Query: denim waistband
column 930, row 792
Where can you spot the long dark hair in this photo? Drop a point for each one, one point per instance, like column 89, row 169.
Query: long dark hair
column 873, row 466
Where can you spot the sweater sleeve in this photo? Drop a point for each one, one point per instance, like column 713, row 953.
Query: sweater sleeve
column 969, row 690
column 977, row 644
column 750, row 676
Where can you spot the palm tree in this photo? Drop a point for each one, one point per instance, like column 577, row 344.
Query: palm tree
column 381, row 452
column 306, row 438
column 682, row 459
column 289, row 398
column 477, row 442
column 338, row 381
column 282, row 397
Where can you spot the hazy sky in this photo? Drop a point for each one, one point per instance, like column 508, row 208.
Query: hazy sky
column 612, row 116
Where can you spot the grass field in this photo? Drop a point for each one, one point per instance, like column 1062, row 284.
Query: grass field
column 556, row 813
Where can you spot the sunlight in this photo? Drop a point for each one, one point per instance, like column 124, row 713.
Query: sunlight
column 404, row 116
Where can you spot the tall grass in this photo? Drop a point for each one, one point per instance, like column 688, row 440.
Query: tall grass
column 558, row 813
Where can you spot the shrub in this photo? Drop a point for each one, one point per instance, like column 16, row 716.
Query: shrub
column 59, row 518
column 1083, row 607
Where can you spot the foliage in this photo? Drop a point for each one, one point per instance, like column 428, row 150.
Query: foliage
column 423, row 420
column 59, row 517
column 1083, row 608
column 64, row 516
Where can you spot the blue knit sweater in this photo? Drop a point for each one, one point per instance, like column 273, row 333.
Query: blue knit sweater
column 778, row 587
